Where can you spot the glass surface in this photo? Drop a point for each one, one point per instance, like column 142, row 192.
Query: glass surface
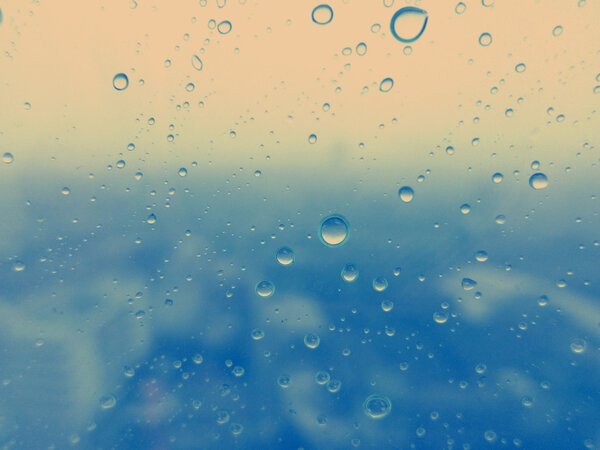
column 268, row 224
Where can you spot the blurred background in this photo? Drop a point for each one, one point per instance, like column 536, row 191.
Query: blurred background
column 263, row 224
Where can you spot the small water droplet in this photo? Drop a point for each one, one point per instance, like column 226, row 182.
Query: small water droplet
column 485, row 39
column 197, row 62
column 65, row 191
column 361, row 49
column 312, row 139
column 151, row 219
column 107, row 401
column 465, row 208
column 578, row 345
column 224, row 27
column 481, row 256
column 520, row 68
column 440, row 316
column 120, row 82
column 265, row 288
column 386, row 85
column 182, row 172
column 257, row 334
column 284, row 381
column 460, row 8
column 408, row 24
column 468, row 284
column 377, row 406
column 349, row 273
column 538, row 181
column 334, row 385
column 312, row 340
column 380, row 284
column 7, row 158
column 285, row 256
column 557, row 30
column 18, row 266
column 387, row 305
column 406, row 194
column 322, row 14
column 322, row 377
column 334, row 230
column 497, row 177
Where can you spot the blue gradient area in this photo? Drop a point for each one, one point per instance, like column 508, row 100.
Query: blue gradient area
column 69, row 321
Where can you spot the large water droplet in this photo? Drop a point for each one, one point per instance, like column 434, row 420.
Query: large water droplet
column 386, row 85
column 334, row 230
column 284, row 381
column 322, row 14
column 577, row 345
column 120, row 82
column 285, row 256
column 265, row 288
column 538, row 181
column 377, row 406
column 520, row 68
column 380, row 284
column 18, row 266
column 406, row 194
column 408, row 24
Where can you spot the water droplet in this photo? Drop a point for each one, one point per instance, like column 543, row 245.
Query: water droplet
column 527, row 401
column 7, row 158
column 349, row 273
column 322, row 377
column 577, row 345
column 386, row 85
column 500, row 219
column 65, row 191
column 18, row 266
column 312, row 139
column 460, row 8
column 334, row 386
column 121, row 164
column 542, row 300
column 497, row 177
column 468, row 284
column 380, row 284
column 312, row 340
column 197, row 62
column 107, row 401
column 538, row 181
column 387, row 305
column 224, row 27
column 285, row 256
column 440, row 316
column 182, row 172
column 377, row 406
column 322, row 14
column 488, row 3
column 406, row 194
column 408, row 24
column 151, row 219
column 465, row 208
column 27, row 106
column 520, row 68
column 557, row 30
column 509, row 112
column 361, row 49
column 334, row 230
column 265, row 288
column 190, row 87
column 222, row 416
column 120, row 82
column 481, row 256
column 257, row 334
column 490, row 436
column 485, row 39
column 284, row 381
column 198, row 358
column 236, row 429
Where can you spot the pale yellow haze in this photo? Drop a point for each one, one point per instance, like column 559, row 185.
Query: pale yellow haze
column 269, row 77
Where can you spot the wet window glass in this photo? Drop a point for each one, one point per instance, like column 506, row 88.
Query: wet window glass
column 265, row 224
